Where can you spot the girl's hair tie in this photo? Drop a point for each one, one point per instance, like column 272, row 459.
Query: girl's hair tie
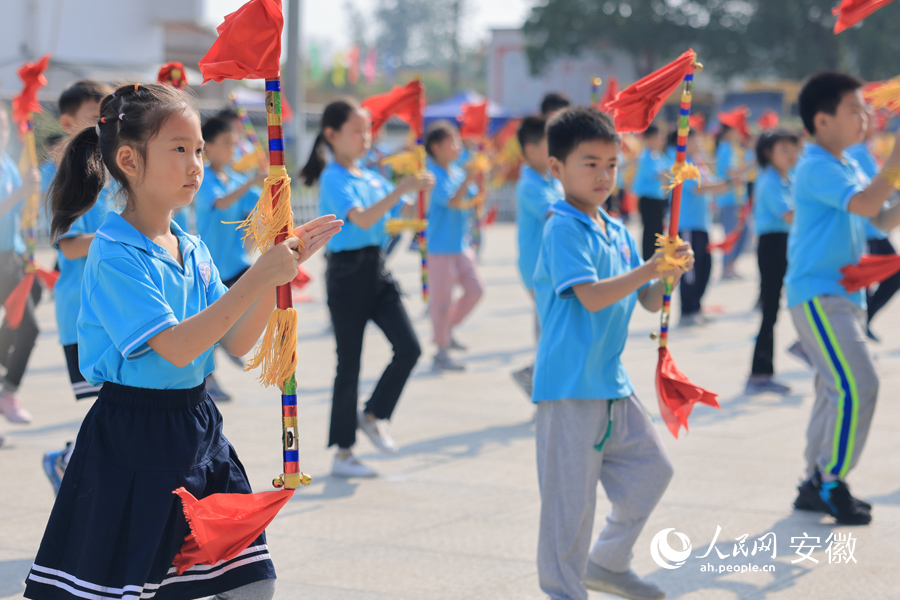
column 136, row 86
column 121, row 116
column 103, row 120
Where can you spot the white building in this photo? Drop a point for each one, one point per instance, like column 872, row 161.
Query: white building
column 511, row 84
column 107, row 40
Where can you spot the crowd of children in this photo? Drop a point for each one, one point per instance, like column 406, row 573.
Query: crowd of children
column 141, row 303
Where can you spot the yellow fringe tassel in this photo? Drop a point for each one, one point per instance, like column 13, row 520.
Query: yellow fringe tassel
column 407, row 162
column 271, row 214
column 277, row 352
column 481, row 163
column 886, row 95
column 669, row 246
column 398, row 226
column 680, row 173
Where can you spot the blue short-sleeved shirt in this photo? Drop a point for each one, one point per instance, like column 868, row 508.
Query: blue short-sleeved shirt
column 647, row 182
column 132, row 290
column 340, row 191
column 224, row 241
column 535, row 194
column 862, row 155
column 695, row 214
column 579, row 354
column 67, row 291
column 825, row 236
column 773, row 201
column 448, row 228
column 11, row 221
column 725, row 162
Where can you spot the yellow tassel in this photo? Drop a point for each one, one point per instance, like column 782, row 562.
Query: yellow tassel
column 398, row 226
column 669, row 246
column 682, row 172
column 272, row 214
column 277, row 352
column 407, row 162
column 481, row 163
column 886, row 95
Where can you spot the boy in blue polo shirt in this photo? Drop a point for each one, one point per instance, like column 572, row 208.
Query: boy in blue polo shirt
column 589, row 424
column 536, row 192
column 833, row 199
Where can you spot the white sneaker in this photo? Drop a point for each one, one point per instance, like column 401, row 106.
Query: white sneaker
column 351, row 467
column 12, row 409
column 627, row 584
column 377, row 432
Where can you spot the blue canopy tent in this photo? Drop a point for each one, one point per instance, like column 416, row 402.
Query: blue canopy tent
column 451, row 108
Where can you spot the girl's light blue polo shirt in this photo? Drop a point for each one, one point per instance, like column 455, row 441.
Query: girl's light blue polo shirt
column 67, row 291
column 579, row 355
column 773, row 201
column 695, row 214
column 647, row 182
column 340, row 191
column 535, row 194
column 132, row 290
column 11, row 221
column 825, row 236
column 216, row 226
column 448, row 228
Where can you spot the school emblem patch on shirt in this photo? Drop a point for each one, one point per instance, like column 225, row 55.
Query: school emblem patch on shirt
column 205, row 272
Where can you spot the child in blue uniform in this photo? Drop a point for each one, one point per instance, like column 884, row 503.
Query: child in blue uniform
column 451, row 260
column 833, row 198
column 729, row 165
column 79, row 107
column 153, row 307
column 649, row 177
column 877, row 241
column 17, row 344
column 590, row 426
column 359, row 286
column 773, row 213
column 536, row 191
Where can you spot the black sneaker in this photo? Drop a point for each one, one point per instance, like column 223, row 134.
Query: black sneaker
column 808, row 497
column 841, row 505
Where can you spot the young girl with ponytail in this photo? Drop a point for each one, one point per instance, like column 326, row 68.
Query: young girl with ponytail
column 359, row 286
column 153, row 308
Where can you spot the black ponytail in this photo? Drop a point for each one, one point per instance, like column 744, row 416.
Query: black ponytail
column 334, row 116
column 78, row 182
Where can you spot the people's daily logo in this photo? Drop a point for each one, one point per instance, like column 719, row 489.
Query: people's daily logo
column 666, row 556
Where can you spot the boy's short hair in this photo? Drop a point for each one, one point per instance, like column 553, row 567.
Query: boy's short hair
column 574, row 126
column 553, row 102
column 767, row 141
column 532, row 130
column 228, row 114
column 650, row 132
column 213, row 128
column 822, row 93
column 437, row 132
column 71, row 98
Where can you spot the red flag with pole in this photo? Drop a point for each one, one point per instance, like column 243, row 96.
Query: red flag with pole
column 851, row 12
column 474, row 120
column 406, row 103
column 636, row 106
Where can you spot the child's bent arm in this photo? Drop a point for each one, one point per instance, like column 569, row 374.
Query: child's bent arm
column 869, row 202
column 597, row 295
column 228, row 199
column 365, row 218
column 888, row 218
column 76, row 246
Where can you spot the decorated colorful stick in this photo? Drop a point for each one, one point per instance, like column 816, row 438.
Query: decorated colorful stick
column 250, row 132
column 24, row 106
column 596, row 82
column 406, row 103
column 633, row 110
column 249, row 46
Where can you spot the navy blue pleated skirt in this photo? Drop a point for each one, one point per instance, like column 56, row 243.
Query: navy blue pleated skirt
column 116, row 525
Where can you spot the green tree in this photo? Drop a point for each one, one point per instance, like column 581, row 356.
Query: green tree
column 415, row 33
column 748, row 37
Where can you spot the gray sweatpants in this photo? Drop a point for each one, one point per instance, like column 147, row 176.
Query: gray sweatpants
column 633, row 468
column 833, row 333
column 258, row 590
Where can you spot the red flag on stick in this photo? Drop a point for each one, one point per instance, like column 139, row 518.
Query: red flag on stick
column 17, row 300
column 474, row 120
column 636, row 106
column 173, row 73
column 224, row 525
column 403, row 102
column 737, row 119
column 698, row 123
column 851, row 12
column 247, row 47
column 26, row 103
column 677, row 395
column 870, row 269
column 769, row 120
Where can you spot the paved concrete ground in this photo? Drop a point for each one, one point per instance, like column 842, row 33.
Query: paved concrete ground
column 455, row 514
